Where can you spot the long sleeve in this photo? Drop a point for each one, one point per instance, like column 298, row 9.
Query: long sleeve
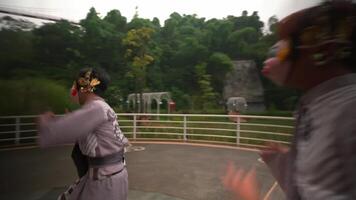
column 72, row 126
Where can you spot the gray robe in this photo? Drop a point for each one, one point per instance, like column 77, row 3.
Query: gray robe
column 97, row 132
column 321, row 163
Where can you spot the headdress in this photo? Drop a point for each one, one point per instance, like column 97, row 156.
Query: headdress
column 331, row 24
column 85, row 83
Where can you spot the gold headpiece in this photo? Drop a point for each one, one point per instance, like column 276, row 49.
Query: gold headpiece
column 88, row 82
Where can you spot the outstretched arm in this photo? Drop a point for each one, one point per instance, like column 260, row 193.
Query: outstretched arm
column 69, row 128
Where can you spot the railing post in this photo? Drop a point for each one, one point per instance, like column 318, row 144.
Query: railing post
column 134, row 126
column 185, row 128
column 238, row 130
column 158, row 111
column 17, row 130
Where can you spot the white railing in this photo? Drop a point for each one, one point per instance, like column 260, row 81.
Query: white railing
column 17, row 129
column 249, row 130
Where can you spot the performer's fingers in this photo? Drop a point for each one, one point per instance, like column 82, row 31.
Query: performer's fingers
column 250, row 187
column 237, row 178
column 227, row 179
column 250, row 177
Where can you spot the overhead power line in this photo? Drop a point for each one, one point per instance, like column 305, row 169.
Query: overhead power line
column 31, row 8
column 34, row 15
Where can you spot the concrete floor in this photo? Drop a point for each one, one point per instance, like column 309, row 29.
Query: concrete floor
column 156, row 172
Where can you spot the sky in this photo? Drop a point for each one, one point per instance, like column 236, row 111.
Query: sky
column 77, row 9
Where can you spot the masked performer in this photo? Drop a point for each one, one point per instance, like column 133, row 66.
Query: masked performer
column 316, row 54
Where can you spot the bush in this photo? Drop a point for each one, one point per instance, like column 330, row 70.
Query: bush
column 32, row 96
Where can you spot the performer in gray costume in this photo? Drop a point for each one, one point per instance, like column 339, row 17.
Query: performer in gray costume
column 316, row 54
column 95, row 128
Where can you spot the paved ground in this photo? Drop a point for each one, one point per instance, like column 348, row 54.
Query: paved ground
column 159, row 172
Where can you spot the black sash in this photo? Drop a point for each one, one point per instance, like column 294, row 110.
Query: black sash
column 82, row 162
column 114, row 158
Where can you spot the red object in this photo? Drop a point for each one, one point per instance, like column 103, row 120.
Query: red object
column 74, row 92
column 268, row 64
column 172, row 106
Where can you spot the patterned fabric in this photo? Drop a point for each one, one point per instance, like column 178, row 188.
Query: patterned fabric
column 88, row 145
column 112, row 117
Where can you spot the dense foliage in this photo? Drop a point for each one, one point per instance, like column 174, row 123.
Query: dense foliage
column 33, row 96
column 186, row 55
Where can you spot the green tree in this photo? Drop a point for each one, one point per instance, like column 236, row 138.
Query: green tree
column 207, row 96
column 16, row 52
column 16, row 47
column 218, row 65
column 102, row 40
column 115, row 19
column 137, row 42
column 191, row 55
column 57, row 44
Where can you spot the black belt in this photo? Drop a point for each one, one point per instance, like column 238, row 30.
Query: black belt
column 114, row 158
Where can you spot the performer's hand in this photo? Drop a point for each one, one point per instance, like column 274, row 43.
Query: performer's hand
column 47, row 116
column 271, row 149
column 44, row 117
column 243, row 184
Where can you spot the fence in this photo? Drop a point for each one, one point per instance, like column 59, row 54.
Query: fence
column 248, row 130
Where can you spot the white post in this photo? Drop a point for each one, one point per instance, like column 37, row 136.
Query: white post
column 134, row 127
column 185, row 128
column 17, row 130
column 238, row 130
column 158, row 105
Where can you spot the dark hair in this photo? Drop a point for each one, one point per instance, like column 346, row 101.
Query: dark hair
column 98, row 73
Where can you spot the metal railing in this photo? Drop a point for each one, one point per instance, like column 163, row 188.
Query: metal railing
column 248, row 130
column 17, row 130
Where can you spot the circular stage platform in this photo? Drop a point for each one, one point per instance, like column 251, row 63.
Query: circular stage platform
column 157, row 171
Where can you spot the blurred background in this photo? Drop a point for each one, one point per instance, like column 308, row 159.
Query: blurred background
column 201, row 53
